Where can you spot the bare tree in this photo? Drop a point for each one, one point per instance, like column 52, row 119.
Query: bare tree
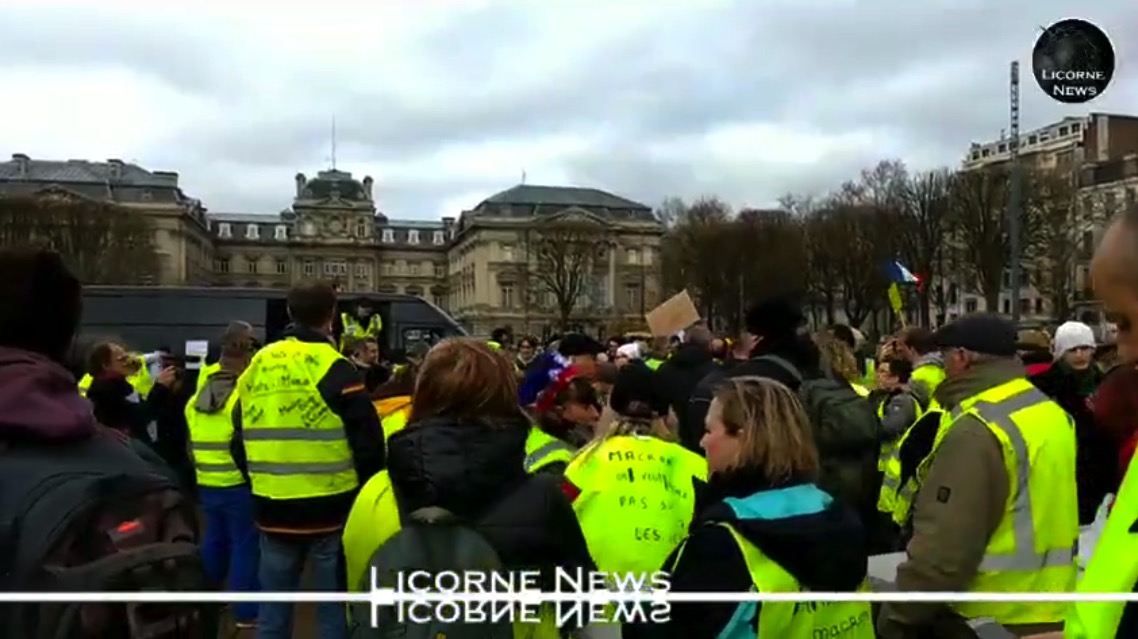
column 922, row 233
column 1061, row 222
column 102, row 243
column 979, row 216
column 671, row 211
column 694, row 256
column 565, row 254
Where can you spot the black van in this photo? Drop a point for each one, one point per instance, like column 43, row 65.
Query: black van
column 149, row 318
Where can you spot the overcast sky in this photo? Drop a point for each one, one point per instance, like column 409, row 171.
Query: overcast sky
column 445, row 103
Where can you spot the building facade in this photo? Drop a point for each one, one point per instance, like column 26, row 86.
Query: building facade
column 486, row 266
column 182, row 238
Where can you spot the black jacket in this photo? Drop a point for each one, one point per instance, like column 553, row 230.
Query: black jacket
column 676, row 379
column 344, row 393
column 798, row 350
column 475, row 471
column 1096, row 461
column 117, row 404
column 823, row 550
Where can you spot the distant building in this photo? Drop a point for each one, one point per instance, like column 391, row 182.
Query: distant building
column 479, row 266
column 1068, row 143
column 182, row 237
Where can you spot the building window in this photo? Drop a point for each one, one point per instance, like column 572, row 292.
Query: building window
column 1076, row 127
column 309, row 269
column 252, row 232
column 1062, row 131
column 400, row 267
column 282, row 267
column 223, row 265
column 440, row 270
column 1024, row 305
column 506, row 296
column 970, row 305
column 440, row 300
column 414, row 270
column 332, row 269
column 986, row 152
column 361, row 230
column 1006, row 307
column 386, row 268
column 438, row 238
column 632, row 256
column 388, row 236
column 1003, row 148
column 507, row 253
column 251, row 265
column 308, row 228
column 412, row 237
column 1039, row 306
column 361, row 270
column 632, row 296
column 224, row 230
column 281, row 232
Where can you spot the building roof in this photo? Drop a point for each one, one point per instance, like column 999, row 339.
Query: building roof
column 249, row 218
column 341, row 183
column 533, row 194
column 23, row 168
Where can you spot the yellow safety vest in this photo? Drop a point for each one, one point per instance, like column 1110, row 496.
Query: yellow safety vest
column 636, row 500
column 205, row 372
column 393, row 418
column 653, row 363
column 895, row 499
column 931, row 375
column 373, row 520
column 888, row 448
column 792, row 620
column 1113, row 568
column 140, row 381
column 860, row 390
column 493, row 345
column 543, row 449
column 210, row 436
column 1033, row 548
column 353, row 328
column 295, row 445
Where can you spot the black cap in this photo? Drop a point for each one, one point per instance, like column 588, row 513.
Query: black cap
column 982, row 333
column 579, row 344
column 636, row 392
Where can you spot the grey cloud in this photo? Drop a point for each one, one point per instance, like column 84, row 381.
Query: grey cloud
column 509, row 72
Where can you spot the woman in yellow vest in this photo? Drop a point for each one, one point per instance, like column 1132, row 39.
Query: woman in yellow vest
column 635, row 485
column 762, row 524
column 839, row 358
column 462, row 451
column 564, row 418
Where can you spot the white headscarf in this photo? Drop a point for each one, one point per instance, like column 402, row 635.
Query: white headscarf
column 630, row 350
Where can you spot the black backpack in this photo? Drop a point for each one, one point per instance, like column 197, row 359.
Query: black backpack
column 432, row 540
column 94, row 517
column 848, row 435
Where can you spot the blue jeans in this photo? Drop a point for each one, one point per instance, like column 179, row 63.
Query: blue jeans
column 229, row 546
column 282, row 562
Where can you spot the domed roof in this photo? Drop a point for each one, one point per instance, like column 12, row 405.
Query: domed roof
column 334, row 184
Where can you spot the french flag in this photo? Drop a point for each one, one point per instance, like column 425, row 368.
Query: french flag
column 898, row 274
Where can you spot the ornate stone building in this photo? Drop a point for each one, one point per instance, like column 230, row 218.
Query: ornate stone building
column 185, row 248
column 495, row 256
column 484, row 267
column 333, row 230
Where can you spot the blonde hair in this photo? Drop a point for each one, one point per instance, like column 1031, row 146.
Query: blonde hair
column 657, row 427
column 773, row 431
column 837, row 356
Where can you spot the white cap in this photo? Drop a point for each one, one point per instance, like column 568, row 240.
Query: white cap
column 1072, row 335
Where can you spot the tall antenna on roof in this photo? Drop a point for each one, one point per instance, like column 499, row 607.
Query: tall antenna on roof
column 523, row 176
column 333, row 143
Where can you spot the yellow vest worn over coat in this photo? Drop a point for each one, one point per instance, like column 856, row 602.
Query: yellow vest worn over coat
column 393, row 414
column 210, row 436
column 294, row 444
column 1033, row 548
column 374, row 519
column 636, row 500
column 1113, row 569
column 354, row 329
column 543, row 449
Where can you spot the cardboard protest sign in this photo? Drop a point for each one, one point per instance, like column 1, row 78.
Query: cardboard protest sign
column 674, row 315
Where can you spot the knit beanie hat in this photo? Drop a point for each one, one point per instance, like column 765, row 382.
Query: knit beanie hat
column 1072, row 335
column 40, row 302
